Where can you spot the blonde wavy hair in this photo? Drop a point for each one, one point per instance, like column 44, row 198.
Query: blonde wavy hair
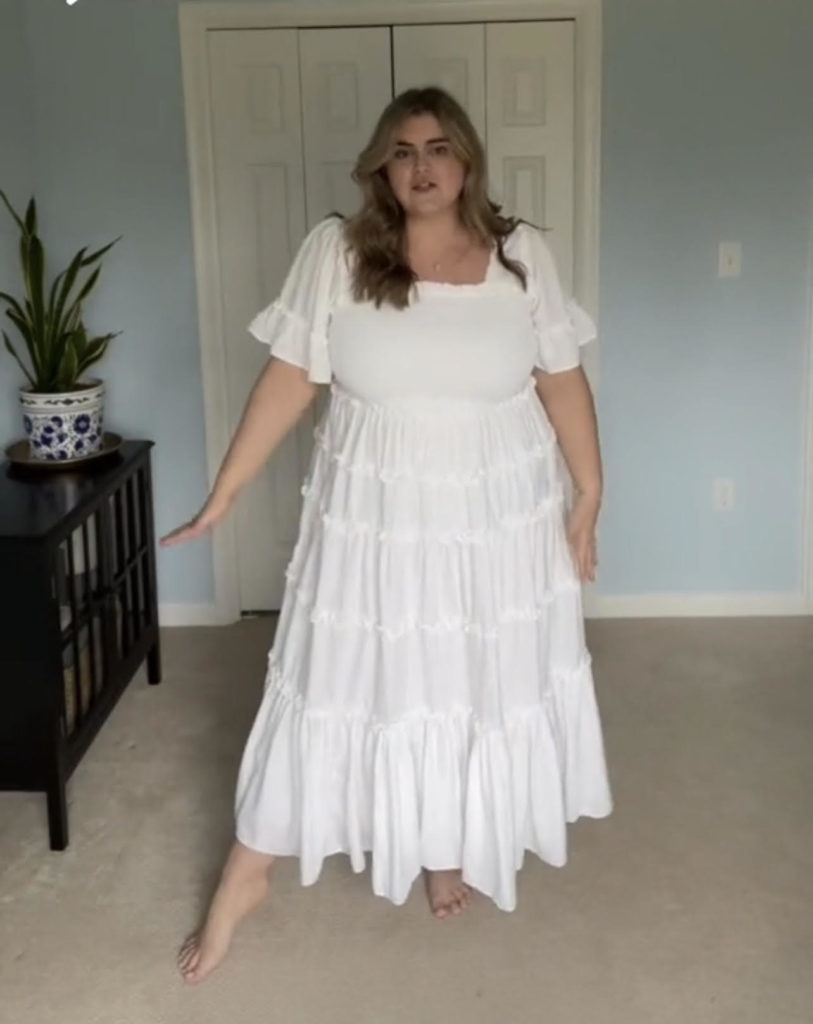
column 375, row 234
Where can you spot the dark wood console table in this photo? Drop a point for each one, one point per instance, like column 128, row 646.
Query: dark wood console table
column 78, row 613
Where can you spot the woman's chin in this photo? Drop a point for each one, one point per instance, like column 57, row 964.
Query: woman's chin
column 429, row 203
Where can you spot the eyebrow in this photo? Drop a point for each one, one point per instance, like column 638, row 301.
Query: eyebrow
column 429, row 142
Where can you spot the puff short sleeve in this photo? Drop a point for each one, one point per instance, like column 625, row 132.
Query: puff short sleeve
column 295, row 325
column 561, row 326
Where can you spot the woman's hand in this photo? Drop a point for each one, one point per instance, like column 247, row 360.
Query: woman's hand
column 212, row 512
column 581, row 533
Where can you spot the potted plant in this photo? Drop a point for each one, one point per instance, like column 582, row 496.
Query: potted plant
column 63, row 413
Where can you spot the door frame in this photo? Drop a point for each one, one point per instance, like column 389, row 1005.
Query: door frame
column 197, row 19
column 807, row 413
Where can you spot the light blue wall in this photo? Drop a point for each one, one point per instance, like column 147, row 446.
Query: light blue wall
column 111, row 160
column 15, row 180
column 706, row 136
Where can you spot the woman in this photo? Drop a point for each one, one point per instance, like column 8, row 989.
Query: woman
column 429, row 695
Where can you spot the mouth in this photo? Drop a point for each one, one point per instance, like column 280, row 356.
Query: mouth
column 422, row 187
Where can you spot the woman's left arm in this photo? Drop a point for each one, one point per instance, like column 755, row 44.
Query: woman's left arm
column 569, row 405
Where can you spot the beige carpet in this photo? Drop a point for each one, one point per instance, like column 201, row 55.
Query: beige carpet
column 693, row 903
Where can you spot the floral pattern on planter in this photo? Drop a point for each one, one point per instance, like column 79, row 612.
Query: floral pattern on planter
column 65, row 426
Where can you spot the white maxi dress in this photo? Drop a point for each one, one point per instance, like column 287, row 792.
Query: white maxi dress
column 429, row 695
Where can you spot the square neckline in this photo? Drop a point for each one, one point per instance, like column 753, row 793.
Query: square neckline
column 425, row 283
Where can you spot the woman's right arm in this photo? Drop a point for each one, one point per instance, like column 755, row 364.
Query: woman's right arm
column 280, row 396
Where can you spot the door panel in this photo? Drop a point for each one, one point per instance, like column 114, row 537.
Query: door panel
column 530, row 118
column 256, row 128
column 346, row 78
column 451, row 56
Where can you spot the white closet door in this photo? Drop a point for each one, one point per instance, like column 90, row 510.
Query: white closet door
column 451, row 56
column 257, row 143
column 530, row 116
column 290, row 111
column 346, row 77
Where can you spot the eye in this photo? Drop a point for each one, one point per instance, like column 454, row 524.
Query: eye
column 441, row 149
column 400, row 153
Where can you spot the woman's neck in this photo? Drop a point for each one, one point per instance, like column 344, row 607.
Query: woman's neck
column 429, row 232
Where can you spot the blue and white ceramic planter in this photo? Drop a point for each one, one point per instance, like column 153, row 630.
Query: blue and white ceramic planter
column 66, row 426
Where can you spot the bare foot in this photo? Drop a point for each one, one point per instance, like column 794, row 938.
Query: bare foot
column 243, row 887
column 446, row 892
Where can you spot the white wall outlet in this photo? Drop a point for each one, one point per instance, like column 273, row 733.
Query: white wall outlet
column 730, row 259
column 722, row 497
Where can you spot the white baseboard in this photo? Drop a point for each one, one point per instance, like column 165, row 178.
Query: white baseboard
column 188, row 615
column 608, row 606
column 649, row 606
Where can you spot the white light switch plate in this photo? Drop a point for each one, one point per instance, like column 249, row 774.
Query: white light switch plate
column 730, row 260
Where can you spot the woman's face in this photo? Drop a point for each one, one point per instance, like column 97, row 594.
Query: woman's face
column 423, row 171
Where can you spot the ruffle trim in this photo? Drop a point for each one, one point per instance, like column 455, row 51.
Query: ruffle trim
column 482, row 535
column 434, row 790
column 536, row 453
column 275, row 679
column 292, row 339
column 446, row 408
column 454, row 624
column 580, row 324
column 559, row 343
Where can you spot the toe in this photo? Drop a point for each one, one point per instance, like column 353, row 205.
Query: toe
column 188, row 966
column 189, row 961
column 191, row 971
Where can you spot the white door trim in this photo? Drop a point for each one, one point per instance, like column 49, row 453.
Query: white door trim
column 196, row 19
column 807, row 447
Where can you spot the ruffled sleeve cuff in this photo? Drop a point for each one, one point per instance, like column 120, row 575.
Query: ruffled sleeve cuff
column 291, row 338
column 560, row 324
column 295, row 325
column 559, row 343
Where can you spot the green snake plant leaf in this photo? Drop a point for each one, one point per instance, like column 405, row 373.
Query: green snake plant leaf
column 60, row 314
column 11, row 349
column 51, row 326
column 65, row 378
column 12, row 211
column 94, row 351
column 23, row 325
column 13, row 303
column 87, row 287
column 31, row 218
column 36, row 273
column 86, row 262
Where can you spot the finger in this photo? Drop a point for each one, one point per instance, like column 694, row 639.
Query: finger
column 183, row 533
column 577, row 550
column 587, row 563
column 172, row 538
column 576, row 561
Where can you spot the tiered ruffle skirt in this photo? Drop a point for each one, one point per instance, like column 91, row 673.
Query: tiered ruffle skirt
column 429, row 695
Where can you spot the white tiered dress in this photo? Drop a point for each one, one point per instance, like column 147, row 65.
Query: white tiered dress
column 429, row 695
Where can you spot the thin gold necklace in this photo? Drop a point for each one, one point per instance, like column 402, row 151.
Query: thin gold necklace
column 436, row 266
